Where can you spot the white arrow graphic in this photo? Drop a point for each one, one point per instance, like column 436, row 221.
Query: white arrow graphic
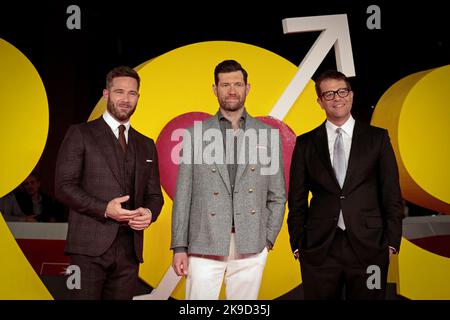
column 335, row 32
column 164, row 289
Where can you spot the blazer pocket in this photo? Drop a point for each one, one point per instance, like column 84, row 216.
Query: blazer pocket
column 374, row 222
column 148, row 165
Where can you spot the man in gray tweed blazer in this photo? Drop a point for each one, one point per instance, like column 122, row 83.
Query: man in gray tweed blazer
column 230, row 197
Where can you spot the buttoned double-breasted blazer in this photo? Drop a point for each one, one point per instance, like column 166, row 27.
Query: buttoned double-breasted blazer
column 205, row 202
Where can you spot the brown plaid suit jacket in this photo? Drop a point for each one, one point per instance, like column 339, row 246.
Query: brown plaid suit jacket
column 87, row 178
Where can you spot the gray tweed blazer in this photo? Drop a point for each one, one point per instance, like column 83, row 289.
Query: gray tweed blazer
column 204, row 205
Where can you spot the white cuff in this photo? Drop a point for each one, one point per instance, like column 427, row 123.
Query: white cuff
column 149, row 212
column 393, row 249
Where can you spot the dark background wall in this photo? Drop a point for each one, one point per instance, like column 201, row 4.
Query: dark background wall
column 73, row 63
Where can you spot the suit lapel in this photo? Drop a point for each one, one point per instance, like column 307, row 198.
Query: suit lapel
column 321, row 143
column 221, row 167
column 133, row 144
column 102, row 135
column 354, row 154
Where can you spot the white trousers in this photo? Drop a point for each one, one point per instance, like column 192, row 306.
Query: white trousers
column 243, row 274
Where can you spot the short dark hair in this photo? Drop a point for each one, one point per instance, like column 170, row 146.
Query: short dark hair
column 229, row 66
column 331, row 74
column 121, row 71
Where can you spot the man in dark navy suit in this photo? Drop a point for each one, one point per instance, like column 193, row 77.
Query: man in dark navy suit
column 353, row 223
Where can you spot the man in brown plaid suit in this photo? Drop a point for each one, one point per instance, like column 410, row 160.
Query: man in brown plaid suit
column 107, row 173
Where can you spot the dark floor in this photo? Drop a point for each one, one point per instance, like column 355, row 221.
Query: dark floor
column 297, row 293
column 57, row 287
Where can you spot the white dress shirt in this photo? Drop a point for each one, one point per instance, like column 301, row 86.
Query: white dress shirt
column 347, row 134
column 114, row 125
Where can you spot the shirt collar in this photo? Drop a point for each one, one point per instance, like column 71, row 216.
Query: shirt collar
column 347, row 127
column 222, row 117
column 113, row 123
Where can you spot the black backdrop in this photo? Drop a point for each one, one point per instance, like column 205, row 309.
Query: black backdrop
column 73, row 63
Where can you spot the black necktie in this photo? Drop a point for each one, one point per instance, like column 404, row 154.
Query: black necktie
column 122, row 141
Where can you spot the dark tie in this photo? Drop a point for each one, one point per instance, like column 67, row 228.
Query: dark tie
column 340, row 167
column 122, row 141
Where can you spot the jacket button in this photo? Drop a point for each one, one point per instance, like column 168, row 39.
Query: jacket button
column 253, row 211
column 213, row 169
column 342, row 197
column 216, row 193
column 252, row 168
column 250, row 190
column 213, row 213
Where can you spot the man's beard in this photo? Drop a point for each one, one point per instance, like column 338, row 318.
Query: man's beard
column 120, row 115
column 231, row 106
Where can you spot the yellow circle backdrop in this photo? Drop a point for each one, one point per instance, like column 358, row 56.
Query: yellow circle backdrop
column 23, row 135
column 424, row 133
column 415, row 111
column 25, row 110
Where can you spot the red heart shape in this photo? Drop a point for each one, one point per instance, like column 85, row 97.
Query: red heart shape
column 168, row 168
